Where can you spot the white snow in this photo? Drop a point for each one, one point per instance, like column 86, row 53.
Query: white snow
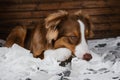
column 17, row 63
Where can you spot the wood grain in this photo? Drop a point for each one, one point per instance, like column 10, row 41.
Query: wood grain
column 105, row 14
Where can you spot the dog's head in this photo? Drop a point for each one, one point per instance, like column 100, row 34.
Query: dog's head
column 69, row 30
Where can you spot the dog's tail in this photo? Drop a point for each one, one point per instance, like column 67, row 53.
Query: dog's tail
column 17, row 35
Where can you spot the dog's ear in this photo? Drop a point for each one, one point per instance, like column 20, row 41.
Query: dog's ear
column 51, row 23
column 88, row 24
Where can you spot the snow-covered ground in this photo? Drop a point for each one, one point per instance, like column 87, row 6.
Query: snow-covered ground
column 17, row 63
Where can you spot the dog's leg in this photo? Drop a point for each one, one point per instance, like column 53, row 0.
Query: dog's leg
column 17, row 36
column 38, row 42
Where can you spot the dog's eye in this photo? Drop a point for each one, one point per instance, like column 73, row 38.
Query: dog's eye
column 73, row 39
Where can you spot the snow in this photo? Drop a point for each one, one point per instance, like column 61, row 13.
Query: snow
column 17, row 63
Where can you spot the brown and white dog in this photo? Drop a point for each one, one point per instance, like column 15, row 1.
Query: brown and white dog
column 59, row 30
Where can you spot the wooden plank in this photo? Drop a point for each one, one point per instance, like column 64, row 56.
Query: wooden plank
column 49, row 1
column 32, row 1
column 30, row 21
column 3, row 36
column 20, row 15
column 113, row 3
column 17, row 7
column 106, row 33
column 116, row 10
column 105, row 18
column 5, row 29
column 107, row 26
column 15, row 22
column 54, row 5
column 39, row 14
column 38, row 1
column 71, row 5
column 99, row 11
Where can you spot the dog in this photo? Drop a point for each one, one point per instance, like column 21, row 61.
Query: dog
column 58, row 30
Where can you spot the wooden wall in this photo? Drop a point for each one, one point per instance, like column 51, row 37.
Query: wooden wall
column 105, row 14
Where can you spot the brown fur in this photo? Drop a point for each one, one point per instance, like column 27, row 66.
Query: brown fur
column 17, row 35
column 61, row 29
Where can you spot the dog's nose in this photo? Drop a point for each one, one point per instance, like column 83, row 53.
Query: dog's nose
column 87, row 57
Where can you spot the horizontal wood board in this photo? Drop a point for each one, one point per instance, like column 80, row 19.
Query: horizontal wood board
column 104, row 14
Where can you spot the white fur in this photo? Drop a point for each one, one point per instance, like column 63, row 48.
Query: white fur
column 81, row 48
